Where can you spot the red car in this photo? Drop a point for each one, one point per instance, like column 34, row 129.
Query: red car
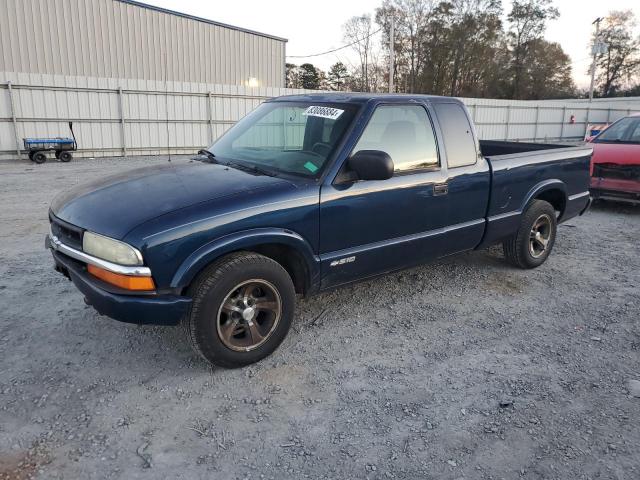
column 615, row 165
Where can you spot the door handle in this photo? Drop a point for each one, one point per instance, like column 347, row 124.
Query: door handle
column 440, row 189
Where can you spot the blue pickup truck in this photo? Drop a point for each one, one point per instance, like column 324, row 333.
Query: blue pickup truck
column 304, row 194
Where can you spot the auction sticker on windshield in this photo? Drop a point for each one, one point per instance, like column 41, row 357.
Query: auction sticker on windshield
column 323, row 112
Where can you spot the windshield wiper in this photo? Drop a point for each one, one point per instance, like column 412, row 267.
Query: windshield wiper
column 211, row 158
column 252, row 169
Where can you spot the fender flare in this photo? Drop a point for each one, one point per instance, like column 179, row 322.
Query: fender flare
column 553, row 184
column 244, row 240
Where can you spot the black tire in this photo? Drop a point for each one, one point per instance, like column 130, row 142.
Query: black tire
column 207, row 319
column 39, row 157
column 64, row 156
column 31, row 155
column 526, row 249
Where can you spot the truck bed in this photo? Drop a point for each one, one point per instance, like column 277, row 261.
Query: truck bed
column 493, row 148
column 519, row 169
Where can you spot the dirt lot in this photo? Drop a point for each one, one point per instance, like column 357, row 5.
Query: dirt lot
column 466, row 368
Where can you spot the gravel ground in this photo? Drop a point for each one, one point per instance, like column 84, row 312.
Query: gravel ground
column 466, row 368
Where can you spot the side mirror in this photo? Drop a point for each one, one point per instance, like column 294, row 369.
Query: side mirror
column 371, row 165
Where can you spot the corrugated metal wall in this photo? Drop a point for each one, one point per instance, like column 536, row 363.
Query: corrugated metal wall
column 137, row 117
column 540, row 120
column 122, row 117
column 119, row 39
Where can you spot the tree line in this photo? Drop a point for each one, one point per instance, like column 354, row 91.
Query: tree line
column 465, row 48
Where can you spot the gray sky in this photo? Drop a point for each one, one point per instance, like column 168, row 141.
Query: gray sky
column 313, row 29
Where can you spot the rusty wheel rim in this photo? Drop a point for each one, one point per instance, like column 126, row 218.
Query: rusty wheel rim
column 248, row 315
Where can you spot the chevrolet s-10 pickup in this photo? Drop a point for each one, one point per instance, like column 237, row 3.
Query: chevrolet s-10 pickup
column 304, row 194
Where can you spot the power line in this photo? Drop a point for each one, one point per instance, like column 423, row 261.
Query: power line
column 335, row 49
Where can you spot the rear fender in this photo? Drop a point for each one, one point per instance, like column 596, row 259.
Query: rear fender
column 540, row 188
column 246, row 240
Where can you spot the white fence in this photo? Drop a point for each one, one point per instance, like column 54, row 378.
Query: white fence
column 114, row 117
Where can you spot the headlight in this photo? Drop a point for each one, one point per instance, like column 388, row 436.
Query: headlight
column 111, row 250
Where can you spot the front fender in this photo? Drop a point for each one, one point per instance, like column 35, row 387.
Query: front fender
column 245, row 240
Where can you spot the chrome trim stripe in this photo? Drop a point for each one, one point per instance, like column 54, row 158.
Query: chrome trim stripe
column 501, row 216
column 394, row 241
column 58, row 246
column 578, row 195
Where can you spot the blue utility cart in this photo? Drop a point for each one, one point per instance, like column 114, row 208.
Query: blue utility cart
column 36, row 147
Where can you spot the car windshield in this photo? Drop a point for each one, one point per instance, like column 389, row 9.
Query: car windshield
column 285, row 137
column 626, row 130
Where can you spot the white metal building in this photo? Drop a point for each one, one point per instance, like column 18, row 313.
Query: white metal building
column 131, row 40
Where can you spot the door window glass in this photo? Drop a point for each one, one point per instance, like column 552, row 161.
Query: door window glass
column 405, row 133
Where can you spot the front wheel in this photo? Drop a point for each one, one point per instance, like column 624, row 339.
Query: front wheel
column 242, row 309
column 534, row 240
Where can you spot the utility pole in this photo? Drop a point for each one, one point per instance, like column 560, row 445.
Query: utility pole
column 391, row 54
column 595, row 50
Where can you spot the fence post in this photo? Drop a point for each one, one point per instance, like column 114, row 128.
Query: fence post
column 564, row 114
column 586, row 127
column 14, row 120
column 210, row 111
column 122, row 122
column 506, row 137
column 535, row 130
column 609, row 115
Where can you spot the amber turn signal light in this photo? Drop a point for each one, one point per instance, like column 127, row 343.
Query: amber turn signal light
column 127, row 282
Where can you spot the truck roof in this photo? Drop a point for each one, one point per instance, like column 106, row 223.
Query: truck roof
column 353, row 97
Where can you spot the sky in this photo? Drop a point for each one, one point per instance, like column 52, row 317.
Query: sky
column 312, row 29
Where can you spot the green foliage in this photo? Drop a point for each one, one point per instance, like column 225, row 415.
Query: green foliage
column 309, row 77
column 337, row 76
column 620, row 65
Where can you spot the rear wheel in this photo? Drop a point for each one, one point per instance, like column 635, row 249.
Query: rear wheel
column 242, row 310
column 535, row 238
column 64, row 156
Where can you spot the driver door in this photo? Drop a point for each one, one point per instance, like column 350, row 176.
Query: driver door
column 371, row 227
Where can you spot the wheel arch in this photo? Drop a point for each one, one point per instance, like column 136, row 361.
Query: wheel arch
column 552, row 191
column 284, row 246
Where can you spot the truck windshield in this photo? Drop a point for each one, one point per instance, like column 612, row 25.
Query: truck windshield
column 626, row 130
column 285, row 137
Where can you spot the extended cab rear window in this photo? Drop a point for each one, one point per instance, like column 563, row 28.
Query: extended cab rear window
column 459, row 142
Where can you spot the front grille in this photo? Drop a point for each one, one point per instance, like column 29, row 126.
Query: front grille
column 619, row 172
column 68, row 234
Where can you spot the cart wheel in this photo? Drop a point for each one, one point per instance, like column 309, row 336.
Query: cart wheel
column 31, row 155
column 39, row 157
column 64, row 156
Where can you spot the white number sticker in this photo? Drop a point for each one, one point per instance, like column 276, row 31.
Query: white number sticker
column 323, row 112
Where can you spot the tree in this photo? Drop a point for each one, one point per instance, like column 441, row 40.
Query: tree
column 468, row 31
column 622, row 59
column 337, row 76
column 292, row 75
column 528, row 22
column 309, row 77
column 357, row 31
column 548, row 72
column 411, row 18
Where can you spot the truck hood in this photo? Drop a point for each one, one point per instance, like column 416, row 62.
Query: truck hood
column 114, row 205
